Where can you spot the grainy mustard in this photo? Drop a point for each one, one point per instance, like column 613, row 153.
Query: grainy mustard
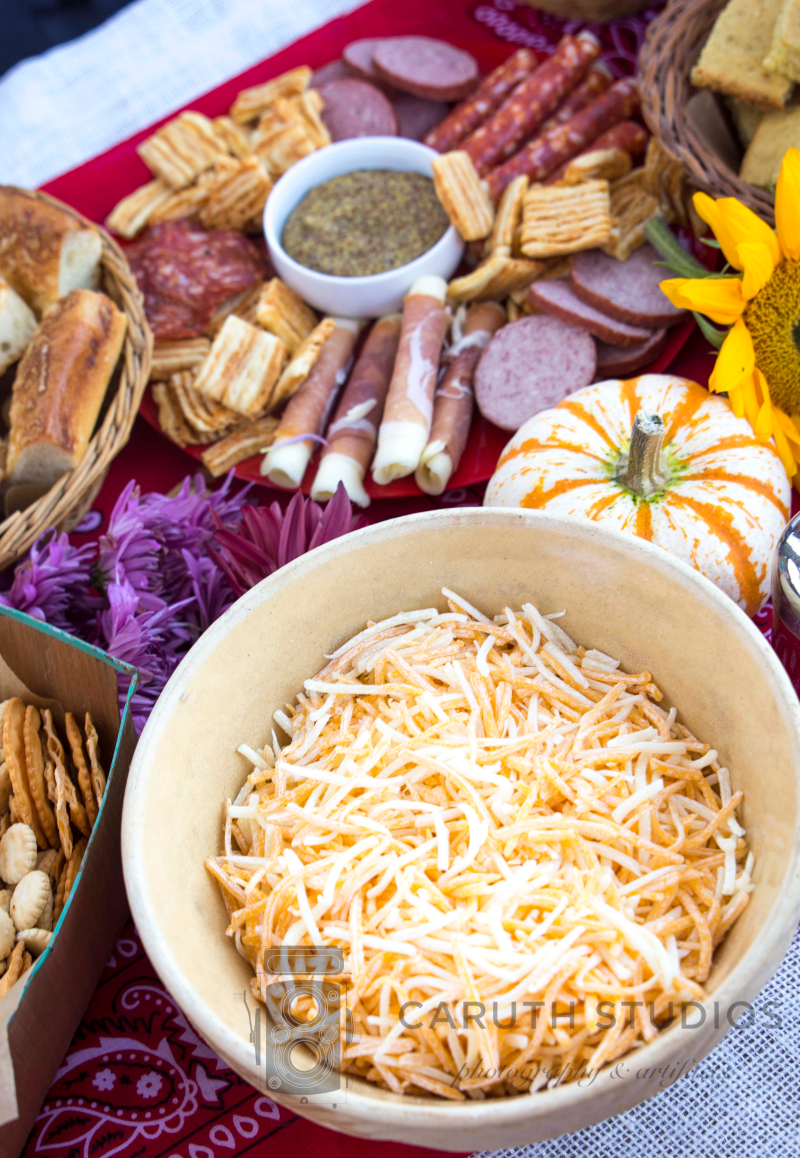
column 365, row 222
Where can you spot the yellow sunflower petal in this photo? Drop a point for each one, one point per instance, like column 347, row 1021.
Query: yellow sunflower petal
column 788, row 457
column 735, row 361
column 758, row 267
column 750, row 400
column 719, row 298
column 734, row 225
column 789, row 425
column 787, row 204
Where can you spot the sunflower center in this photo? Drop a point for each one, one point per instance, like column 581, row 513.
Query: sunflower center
column 773, row 319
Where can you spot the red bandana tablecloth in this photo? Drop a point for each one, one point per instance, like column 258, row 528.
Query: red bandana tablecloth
column 137, row 1081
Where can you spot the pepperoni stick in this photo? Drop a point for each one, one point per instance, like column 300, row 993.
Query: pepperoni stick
column 354, row 430
column 472, row 112
column 628, row 136
column 285, row 462
column 454, row 399
column 409, row 404
column 542, row 156
column 596, row 81
column 531, row 102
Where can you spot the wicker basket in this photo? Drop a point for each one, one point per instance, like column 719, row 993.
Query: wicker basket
column 594, row 11
column 68, row 501
column 671, row 47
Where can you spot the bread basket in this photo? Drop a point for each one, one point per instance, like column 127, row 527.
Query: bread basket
column 671, row 47
column 594, row 11
column 65, row 504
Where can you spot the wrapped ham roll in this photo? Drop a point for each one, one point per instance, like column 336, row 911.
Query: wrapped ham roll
column 353, row 431
column 454, row 399
column 406, row 424
column 286, row 461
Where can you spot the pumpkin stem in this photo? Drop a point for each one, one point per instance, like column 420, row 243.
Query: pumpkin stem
column 642, row 469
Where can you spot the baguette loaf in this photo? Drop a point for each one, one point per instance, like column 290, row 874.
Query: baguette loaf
column 44, row 251
column 17, row 323
column 60, row 385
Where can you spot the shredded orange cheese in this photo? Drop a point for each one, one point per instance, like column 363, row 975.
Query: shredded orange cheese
column 483, row 815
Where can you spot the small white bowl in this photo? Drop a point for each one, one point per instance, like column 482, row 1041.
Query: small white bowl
column 356, row 297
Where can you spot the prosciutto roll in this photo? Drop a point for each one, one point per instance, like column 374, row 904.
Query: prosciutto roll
column 353, row 431
column 286, row 461
column 406, row 424
column 454, row 399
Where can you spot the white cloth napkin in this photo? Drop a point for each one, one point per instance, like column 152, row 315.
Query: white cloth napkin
column 65, row 106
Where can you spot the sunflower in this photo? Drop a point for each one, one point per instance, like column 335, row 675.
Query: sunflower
column 758, row 365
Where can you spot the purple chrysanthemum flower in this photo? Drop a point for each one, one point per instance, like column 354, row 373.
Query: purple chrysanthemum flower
column 53, row 582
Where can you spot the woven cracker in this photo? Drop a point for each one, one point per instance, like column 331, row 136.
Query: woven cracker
column 170, row 416
column 464, row 197
column 130, row 215
column 605, row 164
column 284, row 313
column 243, row 305
column 559, row 219
column 633, row 204
column 235, row 139
column 242, row 367
column 243, row 442
column 281, row 140
column 181, row 354
column 509, row 214
column 79, row 760
column 182, row 149
column 495, row 278
column 301, row 364
column 202, row 414
column 236, row 196
column 308, row 106
column 251, row 102
column 182, row 203
column 34, row 764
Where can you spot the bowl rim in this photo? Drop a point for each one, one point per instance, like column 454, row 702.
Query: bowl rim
column 295, row 176
column 754, row 967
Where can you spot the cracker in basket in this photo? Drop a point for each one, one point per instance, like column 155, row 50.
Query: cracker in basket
column 559, row 219
column 132, row 213
column 79, row 760
column 14, row 751
column 301, row 364
column 494, row 278
column 178, row 354
column 245, row 441
column 72, row 866
column 14, row 969
column 34, row 764
column 182, row 149
column 235, row 138
column 55, row 750
column 203, row 415
column 509, row 214
column 732, row 60
column 252, row 102
column 236, row 196
column 605, row 164
column 170, row 416
column 633, row 204
column 62, row 814
column 463, row 195
column 242, row 367
column 58, row 895
column 95, row 767
column 284, row 313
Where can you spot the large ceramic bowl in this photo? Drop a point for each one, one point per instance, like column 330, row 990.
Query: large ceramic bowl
column 623, row 596
column 355, row 297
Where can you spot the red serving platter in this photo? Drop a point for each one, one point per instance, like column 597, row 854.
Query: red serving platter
column 95, row 187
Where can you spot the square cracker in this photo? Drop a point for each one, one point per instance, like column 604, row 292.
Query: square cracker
column 252, row 102
column 463, row 195
column 244, row 441
column 284, row 313
column 182, row 149
column 242, row 367
column 561, row 219
column 132, row 213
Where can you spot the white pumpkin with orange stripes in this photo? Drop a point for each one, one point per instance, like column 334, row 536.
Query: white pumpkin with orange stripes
column 658, row 457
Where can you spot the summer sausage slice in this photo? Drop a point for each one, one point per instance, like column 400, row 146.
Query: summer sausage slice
column 489, row 94
column 531, row 102
column 425, row 67
column 543, row 155
column 336, row 70
column 618, row 362
column 354, row 108
column 416, row 116
column 358, row 58
column 555, row 296
column 626, row 290
column 530, row 365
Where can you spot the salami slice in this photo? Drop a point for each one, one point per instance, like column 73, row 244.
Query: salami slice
column 489, row 94
column 531, row 102
column 543, row 155
column 530, row 365
column 555, row 297
column 426, row 67
column 354, row 108
column 617, row 362
column 416, row 116
column 626, row 290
